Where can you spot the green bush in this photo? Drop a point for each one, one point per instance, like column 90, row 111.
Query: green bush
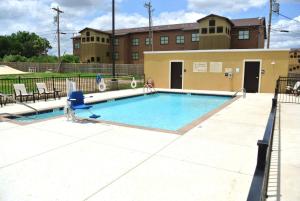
column 14, row 58
column 70, row 59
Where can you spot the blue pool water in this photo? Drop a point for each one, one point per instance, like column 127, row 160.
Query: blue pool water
column 168, row 111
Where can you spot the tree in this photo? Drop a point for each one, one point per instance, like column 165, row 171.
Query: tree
column 24, row 43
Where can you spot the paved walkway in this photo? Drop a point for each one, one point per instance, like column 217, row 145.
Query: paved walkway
column 284, row 182
column 64, row 161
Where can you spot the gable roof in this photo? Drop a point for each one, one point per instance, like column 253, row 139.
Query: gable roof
column 213, row 15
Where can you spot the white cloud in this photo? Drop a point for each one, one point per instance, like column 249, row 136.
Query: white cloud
column 220, row 7
column 124, row 20
column 290, row 39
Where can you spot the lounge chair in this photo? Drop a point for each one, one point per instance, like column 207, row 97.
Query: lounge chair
column 20, row 91
column 42, row 90
column 294, row 90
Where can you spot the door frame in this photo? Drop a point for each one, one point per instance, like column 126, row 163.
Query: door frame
column 259, row 74
column 182, row 73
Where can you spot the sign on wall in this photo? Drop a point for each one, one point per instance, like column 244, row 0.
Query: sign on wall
column 215, row 67
column 200, row 67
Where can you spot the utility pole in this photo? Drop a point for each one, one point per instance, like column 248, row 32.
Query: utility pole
column 58, row 30
column 150, row 11
column 269, row 25
column 274, row 7
column 113, row 42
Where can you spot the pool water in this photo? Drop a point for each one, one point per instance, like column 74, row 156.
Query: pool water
column 167, row 111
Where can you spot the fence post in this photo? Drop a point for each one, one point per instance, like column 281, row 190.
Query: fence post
column 262, row 153
column 79, row 81
column 53, row 83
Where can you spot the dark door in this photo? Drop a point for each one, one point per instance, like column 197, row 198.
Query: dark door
column 251, row 76
column 176, row 75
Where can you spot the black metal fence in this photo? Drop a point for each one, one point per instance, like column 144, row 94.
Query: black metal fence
column 259, row 185
column 288, row 89
column 87, row 84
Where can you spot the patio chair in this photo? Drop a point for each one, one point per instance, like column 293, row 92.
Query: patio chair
column 20, row 91
column 43, row 90
column 294, row 90
column 76, row 102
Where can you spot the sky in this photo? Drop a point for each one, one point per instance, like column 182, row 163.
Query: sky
column 37, row 16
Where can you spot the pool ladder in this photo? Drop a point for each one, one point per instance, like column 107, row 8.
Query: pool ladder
column 18, row 102
column 240, row 90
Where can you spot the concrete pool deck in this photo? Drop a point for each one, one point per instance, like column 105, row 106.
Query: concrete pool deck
column 61, row 160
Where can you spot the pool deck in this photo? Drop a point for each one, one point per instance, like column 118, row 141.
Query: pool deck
column 65, row 161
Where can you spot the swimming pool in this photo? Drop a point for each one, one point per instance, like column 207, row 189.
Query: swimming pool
column 166, row 111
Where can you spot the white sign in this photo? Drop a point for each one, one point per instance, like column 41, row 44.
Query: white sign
column 215, row 67
column 228, row 70
column 200, row 67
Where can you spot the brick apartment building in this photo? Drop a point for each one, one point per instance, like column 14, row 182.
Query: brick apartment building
column 210, row 32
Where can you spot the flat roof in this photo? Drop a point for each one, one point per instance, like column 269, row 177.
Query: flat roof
column 220, row 50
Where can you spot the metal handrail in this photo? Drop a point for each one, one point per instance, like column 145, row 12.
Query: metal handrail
column 242, row 89
column 19, row 102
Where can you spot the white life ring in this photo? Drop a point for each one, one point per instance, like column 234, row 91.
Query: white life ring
column 133, row 83
column 102, row 86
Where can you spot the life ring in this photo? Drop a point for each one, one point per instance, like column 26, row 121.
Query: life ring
column 102, row 86
column 133, row 83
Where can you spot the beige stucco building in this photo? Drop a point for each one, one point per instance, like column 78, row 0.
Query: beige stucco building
column 256, row 70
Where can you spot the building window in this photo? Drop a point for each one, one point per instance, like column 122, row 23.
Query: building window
column 102, row 40
column 116, row 41
column 148, row 41
column 164, row 40
column 92, row 38
column 244, row 35
column 212, row 23
column 219, row 29
column 107, row 40
column 87, row 39
column 83, row 40
column 195, row 37
column 298, row 60
column 135, row 41
column 98, row 59
column 116, row 55
column 135, row 55
column 179, row 39
column 87, row 33
column 92, row 59
column 77, row 45
column 204, row 30
column 212, row 30
column 107, row 54
column 98, row 39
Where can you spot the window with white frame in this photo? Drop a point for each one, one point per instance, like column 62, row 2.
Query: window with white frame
column 164, row 40
column 179, row 39
column 135, row 55
column 135, row 41
column 195, row 37
column 244, row 35
column 148, row 41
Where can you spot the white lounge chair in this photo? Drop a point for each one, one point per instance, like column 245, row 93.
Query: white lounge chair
column 43, row 90
column 20, row 91
column 294, row 90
